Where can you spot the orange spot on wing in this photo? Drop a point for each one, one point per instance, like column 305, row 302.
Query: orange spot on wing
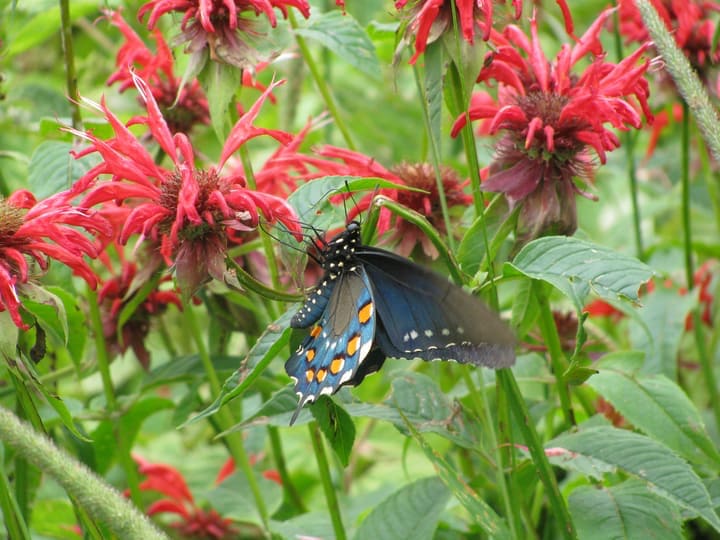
column 321, row 374
column 353, row 345
column 365, row 312
column 315, row 332
column 310, row 375
column 310, row 355
column 337, row 364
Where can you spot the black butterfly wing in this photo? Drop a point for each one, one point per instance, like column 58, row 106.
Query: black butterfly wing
column 334, row 351
column 421, row 314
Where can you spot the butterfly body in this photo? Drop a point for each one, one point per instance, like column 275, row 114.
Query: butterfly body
column 371, row 304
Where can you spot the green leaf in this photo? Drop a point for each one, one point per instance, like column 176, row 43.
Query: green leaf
column 30, row 378
column 220, row 82
column 576, row 267
column 337, row 426
column 48, row 309
column 663, row 314
column 45, row 25
column 419, row 400
column 343, row 35
column 658, row 407
column 637, row 455
column 232, row 498
column 497, row 222
column 8, row 336
column 76, row 322
column 52, row 169
column 266, row 348
column 493, row 525
column 434, row 71
column 525, row 307
column 626, row 511
column 133, row 418
column 412, row 511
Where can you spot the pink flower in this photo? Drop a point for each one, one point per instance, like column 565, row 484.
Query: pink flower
column 429, row 19
column 116, row 293
column 194, row 521
column 551, row 119
column 182, row 105
column 221, row 26
column 40, row 231
column 191, row 212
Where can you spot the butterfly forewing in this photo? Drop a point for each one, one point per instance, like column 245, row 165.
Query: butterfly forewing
column 337, row 345
column 425, row 316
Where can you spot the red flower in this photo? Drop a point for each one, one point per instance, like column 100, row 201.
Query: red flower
column 691, row 22
column 600, row 308
column 429, row 19
column 195, row 522
column 334, row 161
column 182, row 105
column 116, row 293
column 222, row 26
column 32, row 231
column 191, row 212
column 551, row 119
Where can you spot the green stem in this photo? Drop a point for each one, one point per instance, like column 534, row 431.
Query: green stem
column 629, row 145
column 324, row 469
column 103, row 363
column 552, row 341
column 481, row 406
column 224, row 416
column 545, row 472
column 263, row 290
column 321, row 83
column 267, row 245
column 685, row 179
column 712, row 181
column 460, row 98
column 706, row 365
column 291, row 491
column 14, row 520
column 435, row 161
column 101, row 501
column 70, row 75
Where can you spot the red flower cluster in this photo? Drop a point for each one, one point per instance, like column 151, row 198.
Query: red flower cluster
column 191, row 213
column 550, row 118
column 116, row 293
column 334, row 161
column 429, row 19
column 183, row 106
column 221, row 26
column 692, row 23
column 36, row 232
column 195, row 522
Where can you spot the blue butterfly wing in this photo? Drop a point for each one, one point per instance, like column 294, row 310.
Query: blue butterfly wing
column 421, row 314
column 313, row 308
column 336, row 347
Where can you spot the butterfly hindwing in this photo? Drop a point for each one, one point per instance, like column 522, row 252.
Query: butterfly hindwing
column 337, row 345
column 425, row 316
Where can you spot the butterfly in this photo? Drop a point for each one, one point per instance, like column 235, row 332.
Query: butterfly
column 371, row 304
